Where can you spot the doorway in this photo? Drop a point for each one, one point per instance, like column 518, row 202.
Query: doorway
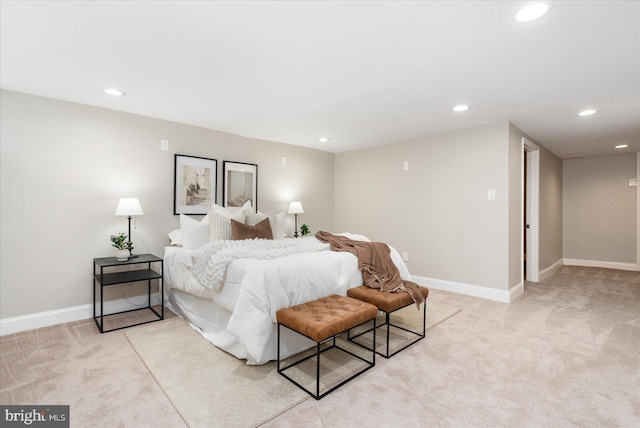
column 530, row 211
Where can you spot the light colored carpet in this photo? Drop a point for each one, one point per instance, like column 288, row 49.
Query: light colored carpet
column 408, row 317
column 211, row 388
column 98, row 375
column 564, row 354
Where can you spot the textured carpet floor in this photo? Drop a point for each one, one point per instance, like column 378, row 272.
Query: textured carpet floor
column 211, row 388
column 107, row 383
column 99, row 375
column 564, row 354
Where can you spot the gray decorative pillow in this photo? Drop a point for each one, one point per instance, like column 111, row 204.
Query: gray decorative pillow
column 241, row 231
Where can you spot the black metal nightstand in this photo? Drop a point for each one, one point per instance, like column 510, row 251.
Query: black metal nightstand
column 104, row 279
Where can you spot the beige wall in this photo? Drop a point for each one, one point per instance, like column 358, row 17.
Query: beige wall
column 550, row 205
column 600, row 209
column 64, row 166
column 516, row 209
column 550, row 215
column 437, row 211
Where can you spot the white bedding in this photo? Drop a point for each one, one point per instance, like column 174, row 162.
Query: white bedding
column 253, row 290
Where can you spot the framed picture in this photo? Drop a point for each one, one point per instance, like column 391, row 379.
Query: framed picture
column 194, row 187
column 240, row 184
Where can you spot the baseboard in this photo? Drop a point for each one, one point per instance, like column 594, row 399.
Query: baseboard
column 546, row 273
column 515, row 292
column 503, row 296
column 601, row 264
column 59, row 316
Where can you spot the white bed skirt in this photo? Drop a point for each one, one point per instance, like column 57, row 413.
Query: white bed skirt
column 211, row 320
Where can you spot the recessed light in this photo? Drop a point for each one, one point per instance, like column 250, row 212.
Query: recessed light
column 323, row 139
column 115, row 92
column 587, row 112
column 461, row 107
column 532, row 12
column 621, row 146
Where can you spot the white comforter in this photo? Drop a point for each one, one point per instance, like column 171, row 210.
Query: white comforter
column 210, row 262
column 254, row 289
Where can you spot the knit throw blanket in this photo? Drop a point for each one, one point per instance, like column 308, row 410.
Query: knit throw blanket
column 374, row 260
column 209, row 263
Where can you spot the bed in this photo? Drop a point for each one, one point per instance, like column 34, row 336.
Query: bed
column 229, row 291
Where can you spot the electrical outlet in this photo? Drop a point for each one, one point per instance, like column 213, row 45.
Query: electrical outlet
column 405, row 166
column 284, row 160
column 164, row 144
column 491, row 194
column 405, row 256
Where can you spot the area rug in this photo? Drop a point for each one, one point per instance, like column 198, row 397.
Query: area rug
column 210, row 388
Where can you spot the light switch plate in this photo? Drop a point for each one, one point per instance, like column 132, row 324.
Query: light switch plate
column 491, row 194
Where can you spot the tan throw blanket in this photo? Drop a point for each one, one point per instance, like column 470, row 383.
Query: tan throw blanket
column 374, row 260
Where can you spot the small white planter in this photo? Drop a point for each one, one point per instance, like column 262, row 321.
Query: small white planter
column 122, row 255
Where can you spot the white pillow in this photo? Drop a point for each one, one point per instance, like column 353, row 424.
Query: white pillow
column 354, row 236
column 277, row 223
column 276, row 220
column 188, row 222
column 195, row 237
column 220, row 222
column 176, row 237
column 253, row 217
column 195, row 233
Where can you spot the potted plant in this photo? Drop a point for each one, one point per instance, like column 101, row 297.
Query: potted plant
column 123, row 247
column 304, row 230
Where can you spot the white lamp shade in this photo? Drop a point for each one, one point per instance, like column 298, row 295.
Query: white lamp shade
column 295, row 208
column 129, row 206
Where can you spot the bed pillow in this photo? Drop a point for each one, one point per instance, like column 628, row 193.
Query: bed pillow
column 220, row 222
column 176, row 237
column 354, row 236
column 275, row 219
column 195, row 233
column 196, row 237
column 241, row 231
column 187, row 222
column 253, row 217
column 277, row 223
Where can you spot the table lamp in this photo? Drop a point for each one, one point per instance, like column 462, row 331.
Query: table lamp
column 129, row 207
column 296, row 208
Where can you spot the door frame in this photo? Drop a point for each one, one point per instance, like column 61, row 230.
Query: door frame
column 532, row 210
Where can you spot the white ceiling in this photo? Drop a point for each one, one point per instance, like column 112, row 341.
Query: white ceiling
column 362, row 73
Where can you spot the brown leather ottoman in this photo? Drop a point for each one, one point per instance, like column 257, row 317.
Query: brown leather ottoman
column 388, row 303
column 322, row 320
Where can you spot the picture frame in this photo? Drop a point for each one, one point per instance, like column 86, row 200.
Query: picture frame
column 194, row 184
column 239, row 184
